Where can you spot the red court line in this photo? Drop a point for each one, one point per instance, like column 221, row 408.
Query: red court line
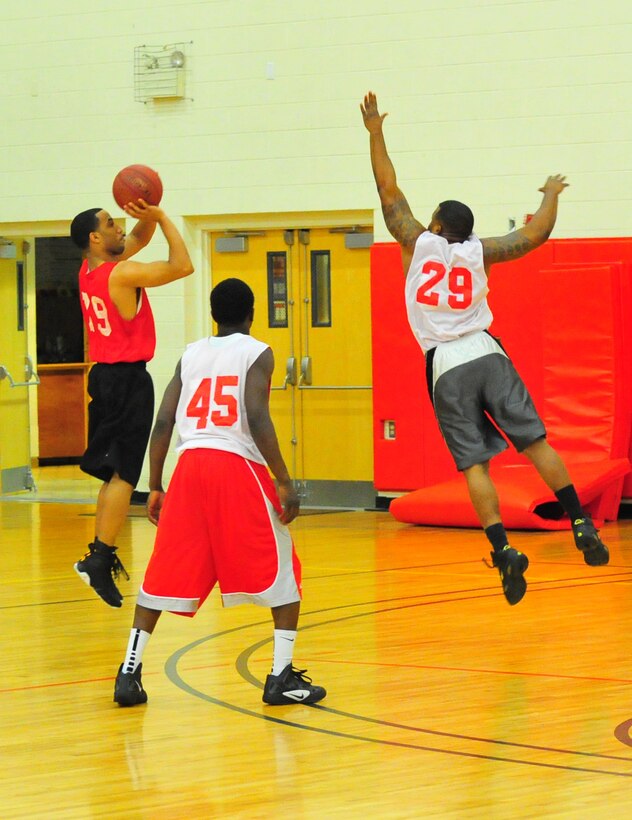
column 100, row 680
column 467, row 669
column 51, row 685
column 318, row 659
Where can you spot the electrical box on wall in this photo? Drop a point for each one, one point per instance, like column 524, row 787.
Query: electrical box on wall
column 388, row 426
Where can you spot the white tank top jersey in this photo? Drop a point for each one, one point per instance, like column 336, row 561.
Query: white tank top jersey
column 211, row 412
column 446, row 290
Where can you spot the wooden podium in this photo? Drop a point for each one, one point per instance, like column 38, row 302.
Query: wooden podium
column 62, row 411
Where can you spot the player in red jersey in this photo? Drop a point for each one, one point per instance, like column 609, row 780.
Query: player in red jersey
column 122, row 339
column 221, row 520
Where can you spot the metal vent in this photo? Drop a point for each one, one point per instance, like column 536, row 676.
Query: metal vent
column 160, row 72
column 231, row 244
column 358, row 240
column 7, row 249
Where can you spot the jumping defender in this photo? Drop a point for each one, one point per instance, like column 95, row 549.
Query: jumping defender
column 469, row 373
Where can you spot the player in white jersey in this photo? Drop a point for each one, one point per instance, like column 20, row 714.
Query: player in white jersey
column 469, row 374
column 221, row 521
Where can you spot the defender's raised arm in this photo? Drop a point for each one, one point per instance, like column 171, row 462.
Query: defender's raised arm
column 397, row 214
column 535, row 233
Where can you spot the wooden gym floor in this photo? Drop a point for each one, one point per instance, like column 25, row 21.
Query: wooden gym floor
column 442, row 702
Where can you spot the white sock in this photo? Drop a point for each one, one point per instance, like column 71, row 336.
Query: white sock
column 283, row 649
column 136, row 646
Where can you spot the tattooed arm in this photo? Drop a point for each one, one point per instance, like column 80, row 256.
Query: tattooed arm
column 535, row 233
column 397, row 214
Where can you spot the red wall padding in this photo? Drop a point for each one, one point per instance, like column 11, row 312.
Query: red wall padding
column 564, row 313
column 417, row 456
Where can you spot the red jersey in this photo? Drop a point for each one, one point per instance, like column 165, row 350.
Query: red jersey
column 111, row 338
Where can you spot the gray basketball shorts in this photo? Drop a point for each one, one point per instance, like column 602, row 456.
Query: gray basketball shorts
column 466, row 396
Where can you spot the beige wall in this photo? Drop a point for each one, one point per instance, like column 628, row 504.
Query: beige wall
column 486, row 97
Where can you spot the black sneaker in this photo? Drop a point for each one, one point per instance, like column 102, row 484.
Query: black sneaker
column 588, row 541
column 291, row 686
column 98, row 568
column 511, row 566
column 128, row 687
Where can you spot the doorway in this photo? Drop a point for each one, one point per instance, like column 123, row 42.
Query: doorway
column 16, row 374
column 312, row 306
column 63, row 371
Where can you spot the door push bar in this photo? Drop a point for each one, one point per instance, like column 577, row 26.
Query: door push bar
column 28, row 372
column 305, row 382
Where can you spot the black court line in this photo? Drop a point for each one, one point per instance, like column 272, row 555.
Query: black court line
column 51, row 500
column 171, row 670
column 417, row 567
column 492, row 592
column 139, row 512
column 241, row 664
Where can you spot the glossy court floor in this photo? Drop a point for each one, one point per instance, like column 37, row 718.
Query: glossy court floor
column 442, row 702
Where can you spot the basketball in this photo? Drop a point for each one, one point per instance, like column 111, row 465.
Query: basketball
column 137, row 182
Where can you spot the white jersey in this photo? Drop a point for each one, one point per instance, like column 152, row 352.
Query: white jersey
column 211, row 412
column 446, row 290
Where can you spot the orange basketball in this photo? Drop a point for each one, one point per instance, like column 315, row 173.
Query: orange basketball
column 137, row 182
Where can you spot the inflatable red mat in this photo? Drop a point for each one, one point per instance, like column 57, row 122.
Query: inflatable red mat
column 525, row 500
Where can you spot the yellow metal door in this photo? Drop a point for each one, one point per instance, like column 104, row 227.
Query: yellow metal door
column 249, row 258
column 16, row 377
column 312, row 306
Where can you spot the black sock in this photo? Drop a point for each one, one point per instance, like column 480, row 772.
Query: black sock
column 567, row 497
column 497, row 536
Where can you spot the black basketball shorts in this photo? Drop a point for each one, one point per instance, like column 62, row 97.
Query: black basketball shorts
column 120, row 416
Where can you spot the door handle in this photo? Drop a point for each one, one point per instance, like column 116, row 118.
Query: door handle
column 306, row 370
column 28, row 371
column 291, row 371
column 291, row 374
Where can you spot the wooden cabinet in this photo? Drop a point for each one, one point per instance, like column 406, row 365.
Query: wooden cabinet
column 62, row 411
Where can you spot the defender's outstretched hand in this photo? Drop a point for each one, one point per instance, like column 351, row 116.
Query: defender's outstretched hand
column 372, row 118
column 555, row 184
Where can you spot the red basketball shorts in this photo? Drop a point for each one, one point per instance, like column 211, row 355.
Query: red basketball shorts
column 219, row 524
